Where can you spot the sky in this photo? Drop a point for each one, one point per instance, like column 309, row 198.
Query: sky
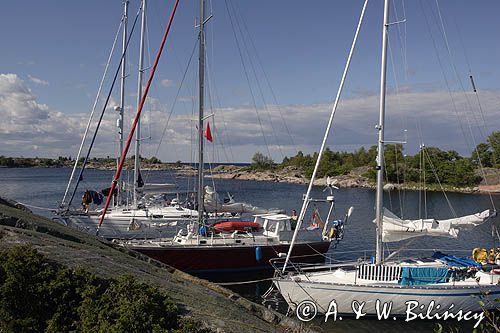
column 273, row 69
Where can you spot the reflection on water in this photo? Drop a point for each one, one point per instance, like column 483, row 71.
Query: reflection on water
column 45, row 187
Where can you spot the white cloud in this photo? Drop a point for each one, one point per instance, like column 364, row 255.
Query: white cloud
column 427, row 116
column 167, row 83
column 31, row 128
column 38, row 81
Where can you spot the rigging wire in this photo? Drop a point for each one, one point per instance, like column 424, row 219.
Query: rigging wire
column 212, row 91
column 494, row 229
column 398, row 95
column 422, row 175
column 402, row 41
column 213, row 94
column 137, row 116
column 268, row 82
column 248, row 79
column 485, row 124
column 447, row 83
column 92, row 113
column 327, row 132
column 222, row 135
column 156, row 12
column 465, row 94
column 80, row 177
column 259, row 87
column 470, row 72
column 450, row 95
column 427, row 157
column 176, row 98
column 454, row 67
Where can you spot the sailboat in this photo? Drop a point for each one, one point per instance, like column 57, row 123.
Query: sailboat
column 416, row 286
column 155, row 208
column 227, row 246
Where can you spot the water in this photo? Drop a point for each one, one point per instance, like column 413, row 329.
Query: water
column 45, row 187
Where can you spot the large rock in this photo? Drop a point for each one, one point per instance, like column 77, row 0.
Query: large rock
column 206, row 302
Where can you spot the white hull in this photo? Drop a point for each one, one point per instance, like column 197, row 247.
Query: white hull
column 132, row 223
column 402, row 298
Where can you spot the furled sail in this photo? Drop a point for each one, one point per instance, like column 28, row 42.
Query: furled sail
column 213, row 203
column 396, row 229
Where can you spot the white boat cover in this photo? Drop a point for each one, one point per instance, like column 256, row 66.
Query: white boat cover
column 395, row 229
column 156, row 188
column 214, row 204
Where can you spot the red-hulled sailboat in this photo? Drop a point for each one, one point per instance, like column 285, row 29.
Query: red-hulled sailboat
column 228, row 246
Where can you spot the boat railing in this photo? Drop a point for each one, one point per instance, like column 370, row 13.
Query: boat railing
column 354, row 259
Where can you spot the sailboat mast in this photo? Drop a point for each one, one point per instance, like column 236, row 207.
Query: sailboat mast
column 201, row 72
column 325, row 138
column 122, row 90
column 379, row 257
column 137, row 160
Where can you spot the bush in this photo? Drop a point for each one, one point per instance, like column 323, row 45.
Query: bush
column 37, row 295
column 261, row 162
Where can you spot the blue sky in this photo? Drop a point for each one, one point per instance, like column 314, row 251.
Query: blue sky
column 56, row 51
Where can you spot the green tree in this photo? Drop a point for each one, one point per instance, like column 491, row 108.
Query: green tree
column 482, row 154
column 127, row 306
column 154, row 160
column 494, row 143
column 37, row 295
column 261, row 161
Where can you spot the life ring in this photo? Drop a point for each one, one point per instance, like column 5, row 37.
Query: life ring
column 479, row 254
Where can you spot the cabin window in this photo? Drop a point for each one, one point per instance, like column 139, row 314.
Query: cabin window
column 281, row 226
column 259, row 220
column 203, row 242
column 286, row 225
column 155, row 216
column 271, row 226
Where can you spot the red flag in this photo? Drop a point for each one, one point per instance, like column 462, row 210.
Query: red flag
column 208, row 133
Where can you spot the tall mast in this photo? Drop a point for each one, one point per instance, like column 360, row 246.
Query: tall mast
column 139, row 96
column 380, row 127
column 122, row 90
column 325, row 137
column 201, row 72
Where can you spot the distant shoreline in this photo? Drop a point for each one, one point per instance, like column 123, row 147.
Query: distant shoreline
column 354, row 179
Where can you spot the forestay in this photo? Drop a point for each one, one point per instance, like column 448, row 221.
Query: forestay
column 396, row 229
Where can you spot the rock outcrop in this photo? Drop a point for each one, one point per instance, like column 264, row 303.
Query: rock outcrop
column 217, row 307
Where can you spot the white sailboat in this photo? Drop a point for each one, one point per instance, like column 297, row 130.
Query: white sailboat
column 147, row 215
column 234, row 247
column 202, row 246
column 416, row 286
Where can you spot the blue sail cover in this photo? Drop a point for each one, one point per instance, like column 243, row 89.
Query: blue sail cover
column 411, row 276
column 456, row 261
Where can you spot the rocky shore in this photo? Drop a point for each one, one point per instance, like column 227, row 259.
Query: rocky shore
column 355, row 179
column 215, row 307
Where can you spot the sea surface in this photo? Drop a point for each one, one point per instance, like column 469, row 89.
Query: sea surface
column 45, row 187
